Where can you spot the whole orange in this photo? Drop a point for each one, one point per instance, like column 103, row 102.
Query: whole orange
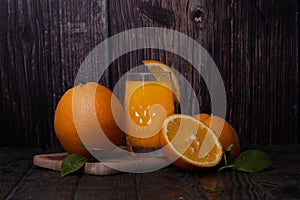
column 80, row 115
column 226, row 133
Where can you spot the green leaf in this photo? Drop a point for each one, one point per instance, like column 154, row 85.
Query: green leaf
column 72, row 163
column 226, row 156
column 226, row 167
column 252, row 161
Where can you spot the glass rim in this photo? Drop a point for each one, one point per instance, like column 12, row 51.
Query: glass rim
column 147, row 73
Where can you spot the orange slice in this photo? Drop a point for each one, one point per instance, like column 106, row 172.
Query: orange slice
column 157, row 66
column 190, row 143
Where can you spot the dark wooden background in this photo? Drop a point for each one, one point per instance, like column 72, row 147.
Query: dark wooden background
column 254, row 43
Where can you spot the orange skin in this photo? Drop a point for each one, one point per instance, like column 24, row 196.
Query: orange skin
column 86, row 95
column 227, row 134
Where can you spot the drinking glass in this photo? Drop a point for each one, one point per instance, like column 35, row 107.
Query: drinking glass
column 148, row 101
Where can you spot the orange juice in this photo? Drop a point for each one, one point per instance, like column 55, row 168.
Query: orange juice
column 147, row 104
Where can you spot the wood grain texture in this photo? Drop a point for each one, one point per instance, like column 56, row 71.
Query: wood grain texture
column 280, row 181
column 255, row 45
column 14, row 163
column 42, row 46
column 168, row 183
column 120, row 186
column 232, row 185
column 283, row 177
column 44, row 184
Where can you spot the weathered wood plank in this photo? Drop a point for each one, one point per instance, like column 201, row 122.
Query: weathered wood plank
column 254, row 47
column 42, row 46
column 136, row 14
column 168, row 183
column 232, row 185
column 44, row 184
column 254, row 44
column 259, row 73
column 120, row 186
column 14, row 163
column 280, row 181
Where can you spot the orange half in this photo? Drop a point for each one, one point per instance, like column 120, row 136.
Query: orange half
column 190, row 143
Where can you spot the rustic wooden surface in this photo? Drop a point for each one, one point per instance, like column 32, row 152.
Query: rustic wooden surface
column 14, row 164
column 42, row 44
column 254, row 43
column 20, row 180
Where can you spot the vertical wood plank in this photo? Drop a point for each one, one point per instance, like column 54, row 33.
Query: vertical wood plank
column 135, row 14
column 265, row 88
column 254, row 47
column 253, row 43
column 42, row 46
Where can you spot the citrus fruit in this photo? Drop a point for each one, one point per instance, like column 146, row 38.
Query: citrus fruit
column 190, row 142
column 226, row 133
column 81, row 104
column 157, row 66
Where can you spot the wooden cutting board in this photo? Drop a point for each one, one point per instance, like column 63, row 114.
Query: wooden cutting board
column 53, row 161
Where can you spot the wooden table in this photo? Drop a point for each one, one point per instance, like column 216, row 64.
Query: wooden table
column 19, row 179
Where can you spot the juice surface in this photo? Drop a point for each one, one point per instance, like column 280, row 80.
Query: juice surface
column 139, row 98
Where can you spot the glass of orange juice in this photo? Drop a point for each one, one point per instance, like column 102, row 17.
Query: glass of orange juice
column 147, row 103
